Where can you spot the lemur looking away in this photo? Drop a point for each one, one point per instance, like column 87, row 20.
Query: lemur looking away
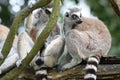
column 85, row 38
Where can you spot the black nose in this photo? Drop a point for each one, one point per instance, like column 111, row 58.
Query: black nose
column 79, row 21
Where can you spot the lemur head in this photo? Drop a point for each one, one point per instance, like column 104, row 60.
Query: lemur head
column 73, row 16
column 40, row 15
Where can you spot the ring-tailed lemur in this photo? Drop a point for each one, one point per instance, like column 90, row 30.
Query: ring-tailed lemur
column 55, row 43
column 85, row 38
column 12, row 57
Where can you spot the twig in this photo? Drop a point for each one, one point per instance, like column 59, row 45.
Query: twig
column 116, row 6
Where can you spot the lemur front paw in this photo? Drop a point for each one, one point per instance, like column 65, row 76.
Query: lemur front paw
column 1, row 56
column 18, row 63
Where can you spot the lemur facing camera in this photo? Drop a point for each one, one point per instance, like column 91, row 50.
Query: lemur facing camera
column 85, row 38
column 53, row 46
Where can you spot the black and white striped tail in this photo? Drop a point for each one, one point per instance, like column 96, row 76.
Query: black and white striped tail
column 41, row 74
column 91, row 68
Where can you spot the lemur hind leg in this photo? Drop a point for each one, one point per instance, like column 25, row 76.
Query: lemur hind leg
column 25, row 44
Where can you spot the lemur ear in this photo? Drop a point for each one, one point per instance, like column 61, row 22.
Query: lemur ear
column 67, row 14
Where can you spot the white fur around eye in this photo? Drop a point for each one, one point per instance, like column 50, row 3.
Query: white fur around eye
column 50, row 9
column 74, row 16
column 77, row 13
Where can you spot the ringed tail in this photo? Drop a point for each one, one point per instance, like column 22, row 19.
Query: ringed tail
column 41, row 74
column 91, row 68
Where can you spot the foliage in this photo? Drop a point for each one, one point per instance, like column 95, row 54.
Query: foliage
column 5, row 15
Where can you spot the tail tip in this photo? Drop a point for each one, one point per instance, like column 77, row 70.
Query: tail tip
column 90, row 77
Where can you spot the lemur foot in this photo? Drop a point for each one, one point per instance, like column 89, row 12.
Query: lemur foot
column 18, row 63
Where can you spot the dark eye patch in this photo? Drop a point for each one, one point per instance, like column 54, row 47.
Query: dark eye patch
column 74, row 16
column 67, row 14
column 47, row 11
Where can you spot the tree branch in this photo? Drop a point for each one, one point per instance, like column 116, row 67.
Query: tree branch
column 16, row 22
column 108, row 72
column 109, row 69
column 116, row 6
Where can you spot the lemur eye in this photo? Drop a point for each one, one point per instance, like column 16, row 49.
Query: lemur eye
column 74, row 16
column 47, row 11
column 67, row 14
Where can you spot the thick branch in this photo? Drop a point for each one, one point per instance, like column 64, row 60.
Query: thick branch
column 38, row 44
column 116, row 6
column 105, row 72
column 18, row 19
column 109, row 69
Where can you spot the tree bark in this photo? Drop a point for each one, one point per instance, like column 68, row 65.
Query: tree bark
column 109, row 69
column 105, row 72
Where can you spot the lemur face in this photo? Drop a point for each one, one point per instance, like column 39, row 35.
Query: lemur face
column 73, row 16
column 40, row 15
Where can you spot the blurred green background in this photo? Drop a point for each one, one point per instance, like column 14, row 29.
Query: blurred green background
column 100, row 8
